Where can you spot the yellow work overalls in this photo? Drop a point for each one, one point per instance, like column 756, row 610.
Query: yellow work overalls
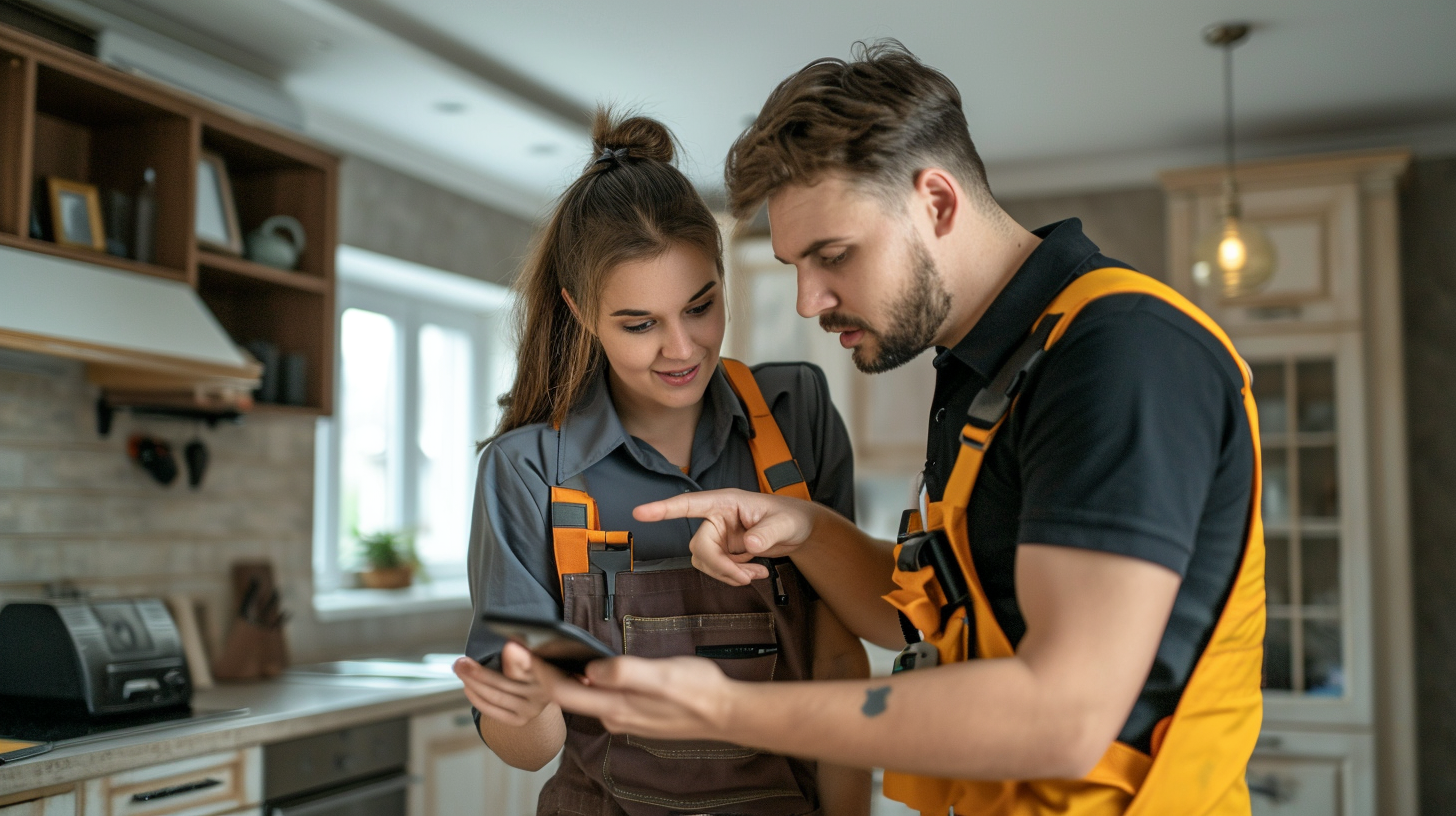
column 1200, row 752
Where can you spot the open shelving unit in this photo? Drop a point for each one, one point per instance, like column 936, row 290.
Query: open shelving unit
column 66, row 115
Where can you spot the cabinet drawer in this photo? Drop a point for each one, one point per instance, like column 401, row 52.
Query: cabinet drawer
column 1293, row 773
column 198, row 786
column 1294, row 787
column 61, row 804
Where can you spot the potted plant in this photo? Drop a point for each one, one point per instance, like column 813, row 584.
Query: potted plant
column 390, row 556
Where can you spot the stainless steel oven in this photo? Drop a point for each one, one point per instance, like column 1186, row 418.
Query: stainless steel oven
column 353, row 772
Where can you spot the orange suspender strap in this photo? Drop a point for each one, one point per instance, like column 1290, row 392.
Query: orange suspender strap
column 778, row 473
column 576, row 530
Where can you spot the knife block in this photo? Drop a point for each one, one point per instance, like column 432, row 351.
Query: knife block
column 254, row 648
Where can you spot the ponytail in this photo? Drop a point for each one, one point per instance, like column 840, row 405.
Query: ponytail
column 629, row 204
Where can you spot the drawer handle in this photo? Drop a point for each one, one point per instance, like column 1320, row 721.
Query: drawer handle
column 186, row 787
column 1276, row 789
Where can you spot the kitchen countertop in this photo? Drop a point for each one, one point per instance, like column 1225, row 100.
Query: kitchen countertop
column 280, row 709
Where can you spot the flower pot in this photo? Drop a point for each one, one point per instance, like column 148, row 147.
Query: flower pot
column 391, row 578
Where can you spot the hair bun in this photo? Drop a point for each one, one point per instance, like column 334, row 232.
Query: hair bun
column 640, row 136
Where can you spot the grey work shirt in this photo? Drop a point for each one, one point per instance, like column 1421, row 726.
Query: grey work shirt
column 512, row 568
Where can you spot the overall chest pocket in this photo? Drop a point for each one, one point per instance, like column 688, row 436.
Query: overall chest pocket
column 744, row 645
column 704, row 775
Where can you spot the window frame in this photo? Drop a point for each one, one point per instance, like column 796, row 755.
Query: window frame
column 413, row 296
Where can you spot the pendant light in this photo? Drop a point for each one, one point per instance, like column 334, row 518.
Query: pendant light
column 1236, row 258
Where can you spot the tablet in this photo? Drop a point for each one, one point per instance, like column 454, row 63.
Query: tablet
column 563, row 645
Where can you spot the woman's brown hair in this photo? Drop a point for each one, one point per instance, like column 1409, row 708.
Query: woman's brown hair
column 629, row 204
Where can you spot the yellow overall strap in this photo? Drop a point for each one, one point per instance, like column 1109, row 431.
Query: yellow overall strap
column 1202, row 750
column 778, row 473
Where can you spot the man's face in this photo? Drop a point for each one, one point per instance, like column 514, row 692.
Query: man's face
column 863, row 270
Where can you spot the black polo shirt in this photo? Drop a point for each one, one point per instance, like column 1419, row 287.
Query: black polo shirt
column 1130, row 438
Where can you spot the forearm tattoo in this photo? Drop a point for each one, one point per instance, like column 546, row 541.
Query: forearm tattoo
column 874, row 704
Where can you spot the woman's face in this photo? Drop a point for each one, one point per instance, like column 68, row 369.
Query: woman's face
column 661, row 326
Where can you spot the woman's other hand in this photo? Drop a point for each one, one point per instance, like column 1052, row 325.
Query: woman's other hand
column 512, row 696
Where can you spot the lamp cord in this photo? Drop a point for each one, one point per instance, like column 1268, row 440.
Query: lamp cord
column 1228, row 128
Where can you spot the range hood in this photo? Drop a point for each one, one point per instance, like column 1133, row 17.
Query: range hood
column 146, row 338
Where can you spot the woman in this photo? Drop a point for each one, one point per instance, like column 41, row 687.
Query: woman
column 620, row 399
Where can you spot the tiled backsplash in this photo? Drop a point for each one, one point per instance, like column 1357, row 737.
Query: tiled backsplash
column 74, row 508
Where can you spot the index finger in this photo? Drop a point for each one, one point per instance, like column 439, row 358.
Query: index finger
column 687, row 505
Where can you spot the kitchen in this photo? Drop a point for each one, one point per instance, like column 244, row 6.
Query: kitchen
column 416, row 219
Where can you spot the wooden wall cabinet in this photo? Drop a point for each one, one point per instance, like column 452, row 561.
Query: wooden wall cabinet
column 1324, row 343
column 64, row 114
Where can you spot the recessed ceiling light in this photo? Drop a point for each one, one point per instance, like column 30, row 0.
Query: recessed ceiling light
column 450, row 106
column 544, row 149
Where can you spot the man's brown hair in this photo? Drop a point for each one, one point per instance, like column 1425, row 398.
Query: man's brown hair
column 880, row 119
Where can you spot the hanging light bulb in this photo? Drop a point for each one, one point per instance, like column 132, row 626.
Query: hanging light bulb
column 1236, row 258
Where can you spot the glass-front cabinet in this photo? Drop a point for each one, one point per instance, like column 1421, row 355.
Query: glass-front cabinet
column 1317, row 644
column 1301, row 505
column 1323, row 344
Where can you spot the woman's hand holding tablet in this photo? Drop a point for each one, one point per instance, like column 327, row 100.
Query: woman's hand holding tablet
column 563, row 645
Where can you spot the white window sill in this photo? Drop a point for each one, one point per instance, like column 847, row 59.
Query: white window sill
column 428, row 596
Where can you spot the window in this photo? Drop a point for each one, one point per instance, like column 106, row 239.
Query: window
column 423, row 356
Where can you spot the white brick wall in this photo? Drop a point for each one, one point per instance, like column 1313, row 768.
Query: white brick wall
column 73, row 507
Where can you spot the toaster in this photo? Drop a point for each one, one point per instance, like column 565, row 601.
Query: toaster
column 112, row 656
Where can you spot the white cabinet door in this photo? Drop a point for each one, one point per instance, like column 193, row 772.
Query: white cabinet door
column 456, row 773
column 63, row 804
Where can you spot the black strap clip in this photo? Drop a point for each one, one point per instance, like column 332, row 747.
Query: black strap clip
column 933, row 549
column 781, row 596
column 993, row 401
column 610, row 559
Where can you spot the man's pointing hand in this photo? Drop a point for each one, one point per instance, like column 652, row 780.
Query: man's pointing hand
column 737, row 527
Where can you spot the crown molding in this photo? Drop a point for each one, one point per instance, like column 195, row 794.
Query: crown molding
column 1141, row 168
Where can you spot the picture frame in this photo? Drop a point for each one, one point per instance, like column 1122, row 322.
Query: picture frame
column 75, row 214
column 215, row 221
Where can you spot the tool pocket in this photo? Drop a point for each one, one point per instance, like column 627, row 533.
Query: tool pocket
column 744, row 645
column 705, row 775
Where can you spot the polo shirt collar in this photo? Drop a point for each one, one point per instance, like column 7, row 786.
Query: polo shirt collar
column 1062, row 252
column 593, row 430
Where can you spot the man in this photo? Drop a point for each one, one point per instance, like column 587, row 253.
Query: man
column 1092, row 582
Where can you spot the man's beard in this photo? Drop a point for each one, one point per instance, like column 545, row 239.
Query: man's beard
column 915, row 319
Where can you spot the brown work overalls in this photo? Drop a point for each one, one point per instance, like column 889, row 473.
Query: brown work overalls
column 760, row 632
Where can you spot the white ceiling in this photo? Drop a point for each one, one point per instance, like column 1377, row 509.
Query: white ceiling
column 1061, row 94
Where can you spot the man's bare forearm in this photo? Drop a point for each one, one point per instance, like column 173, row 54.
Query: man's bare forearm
column 990, row 719
column 851, row 571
